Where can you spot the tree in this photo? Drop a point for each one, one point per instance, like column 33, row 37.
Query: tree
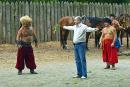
column 102, row 1
column 88, row 1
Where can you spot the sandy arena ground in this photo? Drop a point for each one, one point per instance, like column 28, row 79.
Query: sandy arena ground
column 56, row 68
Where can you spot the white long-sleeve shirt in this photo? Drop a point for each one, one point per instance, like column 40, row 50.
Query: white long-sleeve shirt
column 79, row 32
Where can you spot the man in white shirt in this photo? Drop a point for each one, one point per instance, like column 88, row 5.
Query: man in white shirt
column 79, row 40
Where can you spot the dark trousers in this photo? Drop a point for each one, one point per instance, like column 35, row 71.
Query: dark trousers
column 25, row 55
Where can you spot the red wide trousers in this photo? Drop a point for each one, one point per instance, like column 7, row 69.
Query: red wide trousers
column 109, row 53
column 25, row 55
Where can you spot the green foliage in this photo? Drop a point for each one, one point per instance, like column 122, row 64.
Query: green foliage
column 101, row 1
column 15, row 0
column 28, row 0
column 44, row 0
column 55, row 28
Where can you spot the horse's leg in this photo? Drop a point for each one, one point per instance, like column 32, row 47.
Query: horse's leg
column 87, row 37
column 96, row 39
column 65, row 38
column 62, row 32
column 121, row 37
column 127, row 35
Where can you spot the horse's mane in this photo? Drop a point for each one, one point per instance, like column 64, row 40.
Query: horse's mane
column 94, row 20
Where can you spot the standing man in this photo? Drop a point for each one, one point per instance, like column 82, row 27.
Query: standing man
column 107, row 43
column 115, row 23
column 79, row 41
column 25, row 53
column 118, row 28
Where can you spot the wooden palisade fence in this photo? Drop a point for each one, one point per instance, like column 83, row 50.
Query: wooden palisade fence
column 46, row 15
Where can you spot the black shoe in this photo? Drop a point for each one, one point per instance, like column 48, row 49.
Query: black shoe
column 113, row 67
column 20, row 72
column 33, row 72
column 107, row 67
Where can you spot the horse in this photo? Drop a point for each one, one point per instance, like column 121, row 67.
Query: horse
column 124, row 20
column 65, row 21
column 69, row 21
column 94, row 22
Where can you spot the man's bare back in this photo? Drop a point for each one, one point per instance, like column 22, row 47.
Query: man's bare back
column 26, row 34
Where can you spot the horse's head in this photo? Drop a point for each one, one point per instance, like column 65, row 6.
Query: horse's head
column 93, row 21
column 100, row 23
column 86, row 21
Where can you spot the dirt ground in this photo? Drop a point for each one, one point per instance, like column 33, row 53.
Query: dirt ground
column 56, row 68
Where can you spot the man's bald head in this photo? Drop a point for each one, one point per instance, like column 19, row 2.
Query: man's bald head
column 77, row 20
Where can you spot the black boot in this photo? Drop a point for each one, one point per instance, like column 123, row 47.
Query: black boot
column 113, row 67
column 32, row 71
column 20, row 72
column 107, row 66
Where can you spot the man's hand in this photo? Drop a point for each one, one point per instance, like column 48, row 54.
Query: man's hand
column 112, row 45
column 100, row 43
column 19, row 46
column 18, row 42
column 96, row 28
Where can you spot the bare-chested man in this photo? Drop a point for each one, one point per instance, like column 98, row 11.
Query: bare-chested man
column 115, row 23
column 107, row 42
column 118, row 28
column 25, row 53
